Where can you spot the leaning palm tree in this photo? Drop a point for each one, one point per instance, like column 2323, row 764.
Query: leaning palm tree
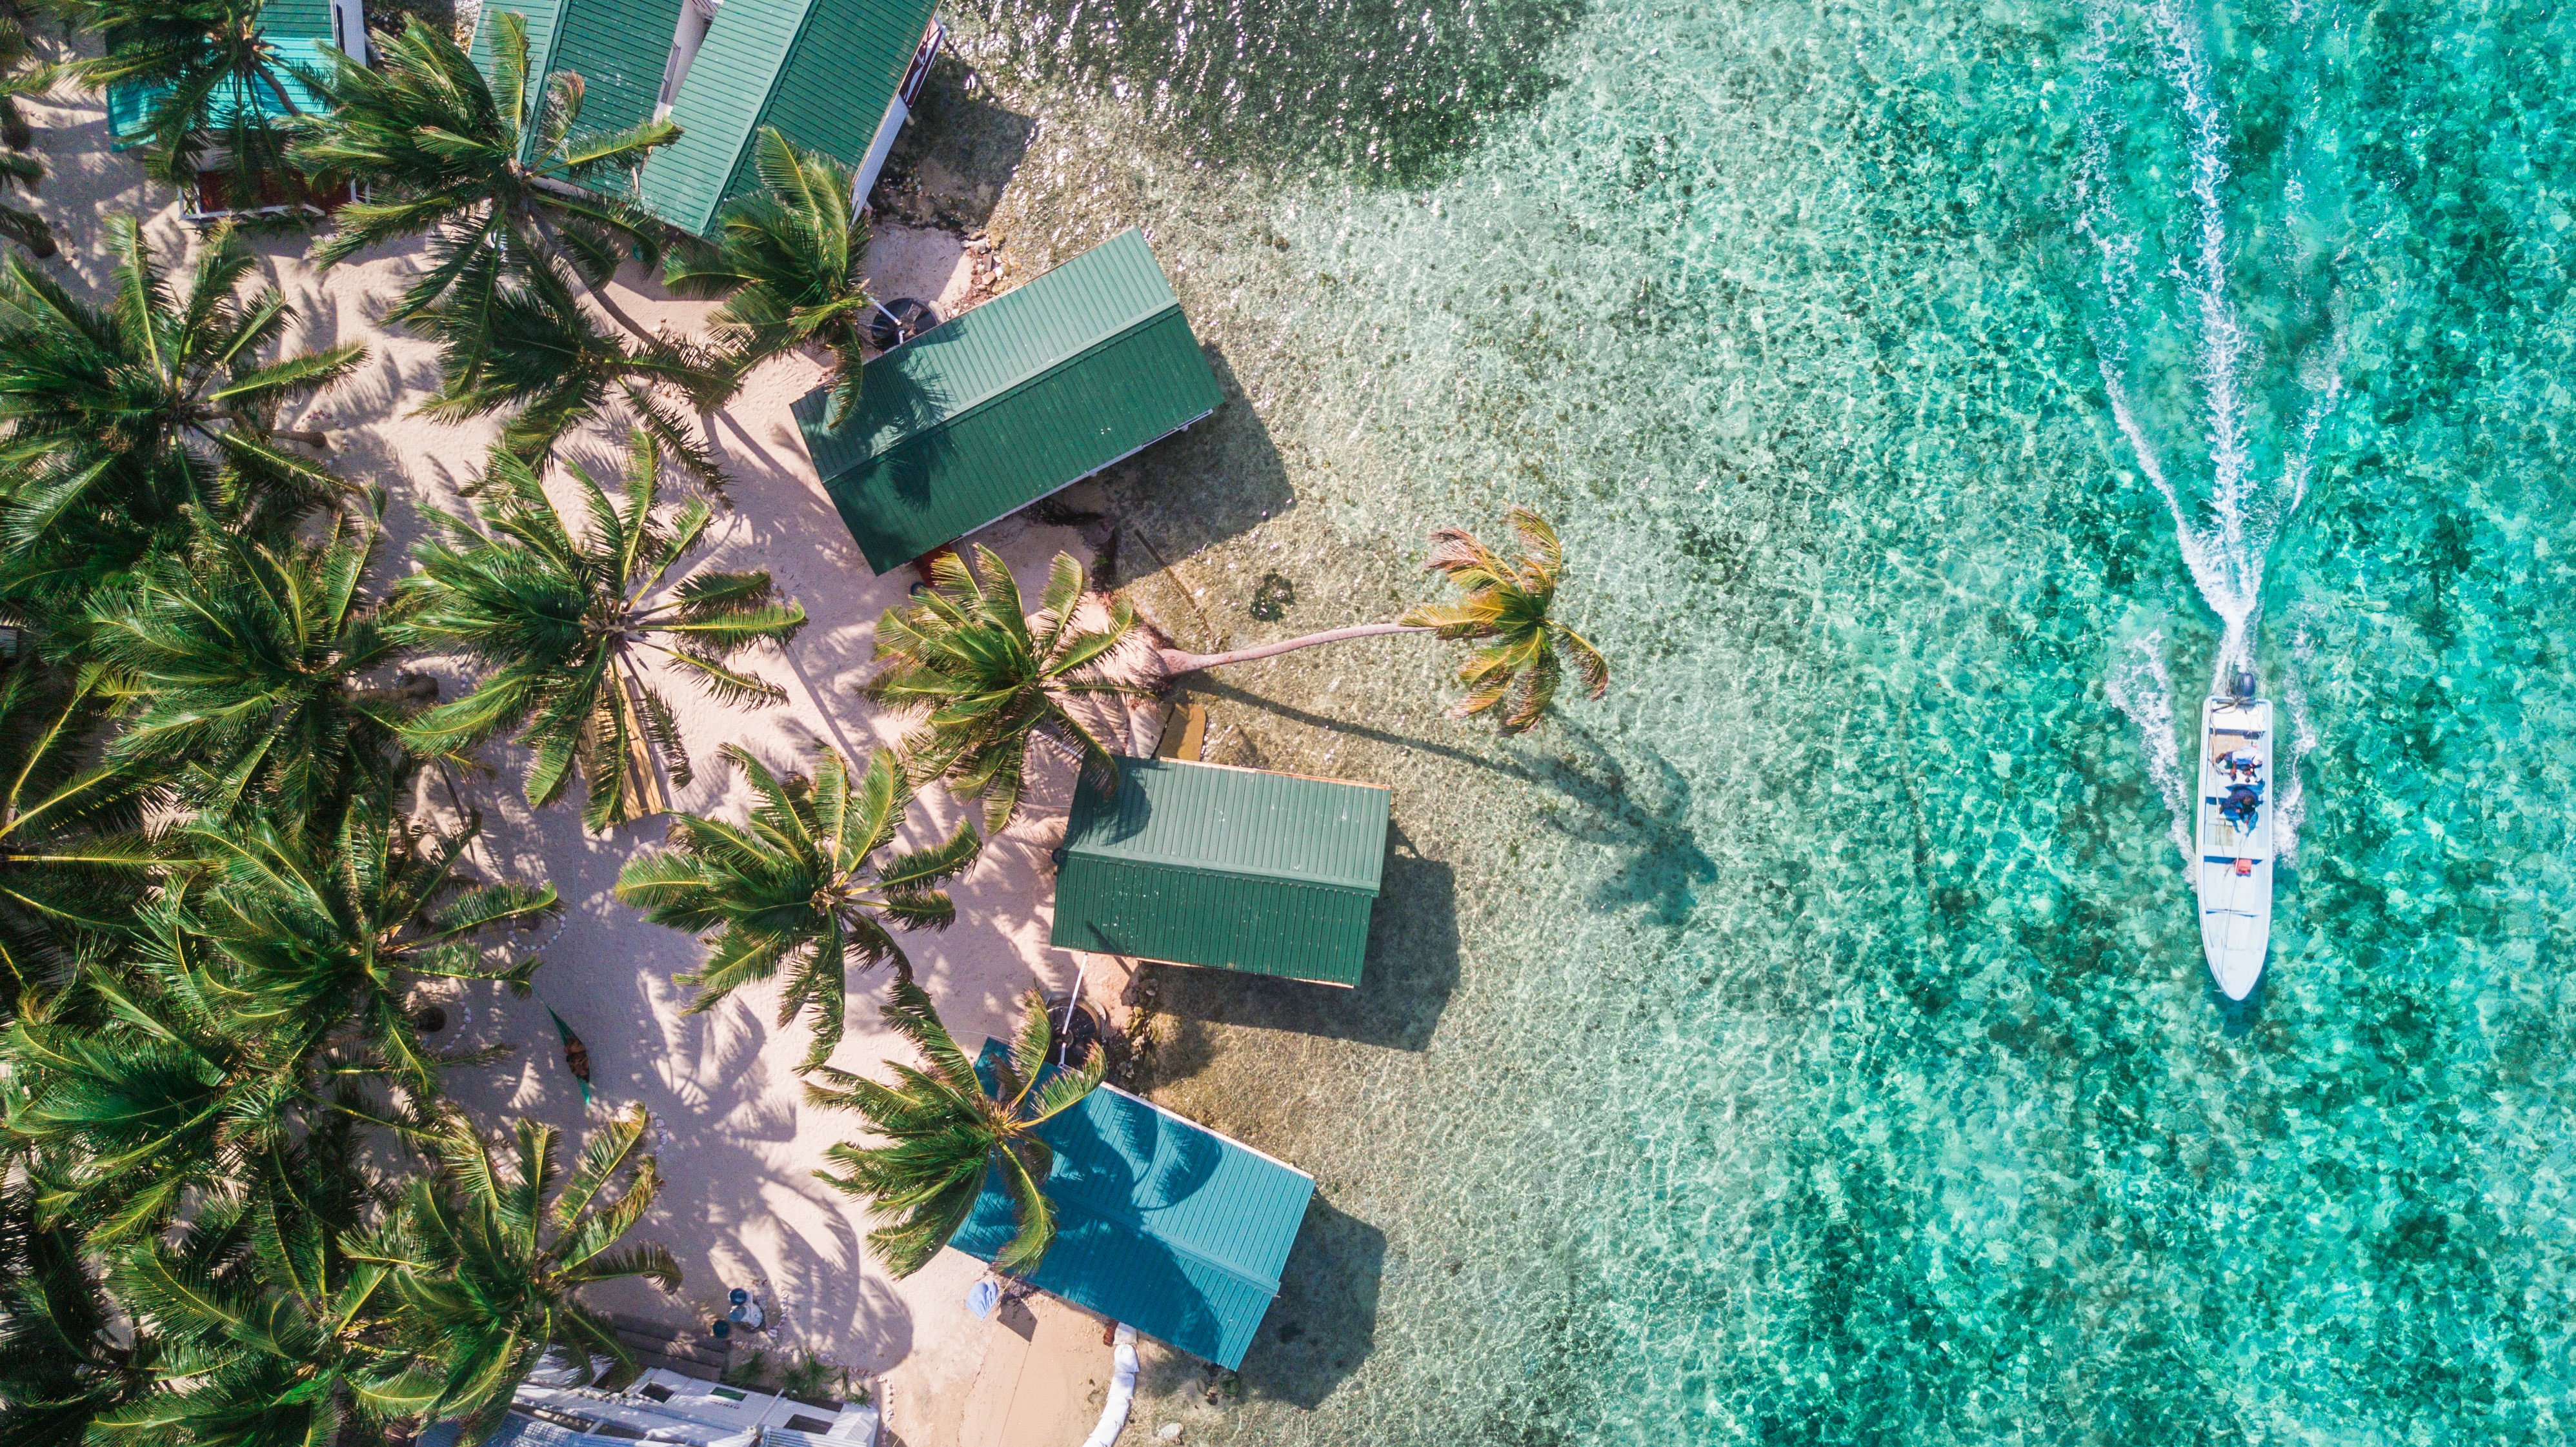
column 804, row 886
column 945, row 1130
column 343, row 926
column 530, row 350
column 992, row 678
column 204, row 65
column 1506, row 608
column 120, row 424
column 563, row 623
column 490, row 1260
column 496, row 173
column 788, row 264
column 251, row 662
column 73, row 864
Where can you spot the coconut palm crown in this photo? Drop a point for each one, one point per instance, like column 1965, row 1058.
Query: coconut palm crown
column 945, row 1130
column 803, row 886
column 208, row 68
column 787, row 260
column 562, row 622
column 498, row 174
column 123, row 426
column 991, row 678
column 251, row 661
column 490, row 1259
column 21, row 76
column 1506, row 609
column 311, row 925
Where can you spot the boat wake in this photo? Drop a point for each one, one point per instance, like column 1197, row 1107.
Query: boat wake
column 2168, row 327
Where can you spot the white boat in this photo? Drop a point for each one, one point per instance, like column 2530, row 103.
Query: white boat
column 2234, row 836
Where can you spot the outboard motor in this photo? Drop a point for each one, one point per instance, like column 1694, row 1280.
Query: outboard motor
column 2245, row 685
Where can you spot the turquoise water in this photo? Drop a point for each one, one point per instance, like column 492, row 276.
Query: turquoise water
column 1810, row 1043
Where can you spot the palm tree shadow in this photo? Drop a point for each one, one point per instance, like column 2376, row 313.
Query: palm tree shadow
column 1641, row 809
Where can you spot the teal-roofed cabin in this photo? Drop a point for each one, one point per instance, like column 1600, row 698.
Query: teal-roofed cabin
column 304, row 38
column 1235, row 869
column 834, row 76
column 999, row 406
column 1161, row 1223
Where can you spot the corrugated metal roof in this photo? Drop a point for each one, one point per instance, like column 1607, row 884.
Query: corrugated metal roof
column 1161, row 1223
column 619, row 48
column 1235, row 869
column 129, row 105
column 1003, row 404
column 821, row 71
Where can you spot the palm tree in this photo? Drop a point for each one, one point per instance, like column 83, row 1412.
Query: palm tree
column 530, row 346
column 21, row 75
column 118, row 424
column 800, row 887
column 493, row 172
column 562, row 623
column 249, row 659
column 66, row 1354
column 946, row 1130
column 488, row 1272
column 788, row 262
column 72, row 866
column 205, row 64
column 130, row 1090
column 992, row 678
column 274, row 1332
column 1506, row 603
column 303, row 931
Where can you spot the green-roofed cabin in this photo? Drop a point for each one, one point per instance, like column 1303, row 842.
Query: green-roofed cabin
column 305, row 35
column 1161, row 1223
column 1003, row 404
column 1235, row 869
column 834, row 76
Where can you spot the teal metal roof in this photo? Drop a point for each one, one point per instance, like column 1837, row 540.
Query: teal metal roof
column 301, row 60
column 619, row 48
column 1001, row 405
column 1160, row 1222
column 821, row 71
column 1239, row 869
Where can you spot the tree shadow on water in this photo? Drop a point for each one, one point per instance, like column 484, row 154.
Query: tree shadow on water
column 1324, row 1323
column 1410, row 973
column 1381, row 91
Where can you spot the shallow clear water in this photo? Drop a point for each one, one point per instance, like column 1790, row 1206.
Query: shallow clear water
column 1811, row 1042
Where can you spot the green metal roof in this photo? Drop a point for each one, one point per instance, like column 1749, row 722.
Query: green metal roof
column 1160, row 1222
column 129, row 104
column 1240, row 869
column 619, row 48
column 1001, row 405
column 821, row 71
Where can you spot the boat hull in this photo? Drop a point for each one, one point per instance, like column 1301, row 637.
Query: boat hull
column 2232, row 849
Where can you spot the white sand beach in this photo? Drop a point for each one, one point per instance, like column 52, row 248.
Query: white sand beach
column 736, row 1143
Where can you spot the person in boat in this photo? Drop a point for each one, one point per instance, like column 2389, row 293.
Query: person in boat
column 2242, row 804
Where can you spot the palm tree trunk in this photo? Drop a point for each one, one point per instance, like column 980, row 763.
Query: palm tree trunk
column 1176, row 663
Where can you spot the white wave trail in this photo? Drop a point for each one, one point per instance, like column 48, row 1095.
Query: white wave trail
column 2225, row 541
column 2139, row 687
